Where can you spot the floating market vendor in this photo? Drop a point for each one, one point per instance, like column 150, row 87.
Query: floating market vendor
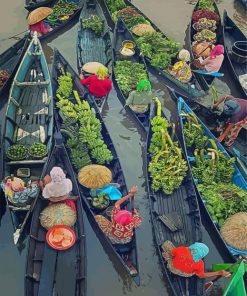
column 57, row 187
column 235, row 115
column 187, row 261
column 120, row 229
column 98, row 85
column 36, row 23
column 181, row 70
column 139, row 99
column 213, row 62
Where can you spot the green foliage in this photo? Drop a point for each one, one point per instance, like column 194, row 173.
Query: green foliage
column 79, row 156
column 95, row 23
column 101, row 154
column 223, row 200
column 158, row 124
column 194, row 134
column 115, row 5
column 206, row 4
column 128, row 74
column 65, row 85
column 158, row 48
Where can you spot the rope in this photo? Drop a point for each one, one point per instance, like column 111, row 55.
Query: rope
column 13, row 37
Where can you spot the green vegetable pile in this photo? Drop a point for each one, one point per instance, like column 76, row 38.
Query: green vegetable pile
column 159, row 49
column 115, row 5
column 167, row 167
column 130, row 16
column 17, row 152
column 205, row 35
column 223, row 200
column 101, row 201
column 128, row 74
column 81, row 126
column 193, row 132
column 62, row 7
column 206, row 4
column 204, row 23
column 38, row 149
column 95, row 23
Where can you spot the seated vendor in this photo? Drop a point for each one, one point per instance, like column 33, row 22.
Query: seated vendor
column 139, row 99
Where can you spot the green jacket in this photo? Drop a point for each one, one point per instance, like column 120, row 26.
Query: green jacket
column 139, row 98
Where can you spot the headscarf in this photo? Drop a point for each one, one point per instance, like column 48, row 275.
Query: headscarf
column 231, row 107
column 123, row 218
column 198, row 251
column 216, row 51
column 57, row 175
column 102, row 72
column 184, row 55
column 143, row 84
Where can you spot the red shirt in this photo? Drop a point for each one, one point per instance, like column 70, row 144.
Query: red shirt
column 126, row 231
column 183, row 261
column 97, row 87
column 39, row 28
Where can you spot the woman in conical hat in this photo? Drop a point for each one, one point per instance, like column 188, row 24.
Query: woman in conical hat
column 36, row 23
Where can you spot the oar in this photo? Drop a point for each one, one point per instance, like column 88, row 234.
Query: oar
column 204, row 72
column 14, row 36
column 208, row 285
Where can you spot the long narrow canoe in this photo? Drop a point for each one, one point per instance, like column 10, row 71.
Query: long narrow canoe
column 123, row 254
column 10, row 60
column 48, row 271
column 33, row 4
column 205, row 80
column 193, row 88
column 237, row 179
column 231, row 34
column 61, row 24
column 29, row 119
column 237, row 282
column 121, row 33
column 182, row 210
column 92, row 47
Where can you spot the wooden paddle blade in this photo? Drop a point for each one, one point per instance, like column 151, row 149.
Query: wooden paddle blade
column 208, row 285
column 204, row 72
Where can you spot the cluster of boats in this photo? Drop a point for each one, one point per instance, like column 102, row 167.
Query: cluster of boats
column 32, row 115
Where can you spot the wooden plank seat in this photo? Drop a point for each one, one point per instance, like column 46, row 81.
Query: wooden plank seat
column 28, row 161
column 33, row 83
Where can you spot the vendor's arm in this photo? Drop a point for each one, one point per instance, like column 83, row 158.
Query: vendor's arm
column 131, row 193
column 130, row 99
column 221, row 100
column 226, row 132
column 203, row 62
column 44, row 29
column 86, row 81
column 223, row 273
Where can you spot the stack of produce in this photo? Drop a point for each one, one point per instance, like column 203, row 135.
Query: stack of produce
column 94, row 23
column 128, row 74
column 62, row 8
column 4, row 75
column 115, row 5
column 84, row 130
column 213, row 172
column 167, row 167
column 101, row 201
column 17, row 152
column 38, row 150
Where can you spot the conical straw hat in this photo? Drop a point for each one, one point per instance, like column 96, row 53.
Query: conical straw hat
column 57, row 214
column 94, row 176
column 141, row 29
column 38, row 15
column 234, row 231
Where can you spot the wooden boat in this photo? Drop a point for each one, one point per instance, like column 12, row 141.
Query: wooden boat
column 122, row 254
column 45, row 266
column 58, row 24
column 29, row 119
column 231, row 34
column 90, row 46
column 237, row 282
column 193, row 88
column 182, row 210
column 121, row 33
column 237, row 177
column 33, row 4
column 205, row 80
column 10, row 59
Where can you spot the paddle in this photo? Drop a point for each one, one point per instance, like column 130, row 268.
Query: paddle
column 208, row 285
column 14, row 36
column 204, row 72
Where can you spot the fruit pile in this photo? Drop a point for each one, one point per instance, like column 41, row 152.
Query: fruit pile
column 17, row 152
column 101, row 201
column 38, row 149
column 61, row 238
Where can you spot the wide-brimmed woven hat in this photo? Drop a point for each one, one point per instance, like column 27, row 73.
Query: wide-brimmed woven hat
column 141, row 29
column 91, row 67
column 234, row 231
column 94, row 176
column 38, row 15
column 57, row 214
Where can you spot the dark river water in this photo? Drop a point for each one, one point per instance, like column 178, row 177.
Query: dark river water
column 104, row 277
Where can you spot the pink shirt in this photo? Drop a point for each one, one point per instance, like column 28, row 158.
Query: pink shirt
column 212, row 65
column 39, row 28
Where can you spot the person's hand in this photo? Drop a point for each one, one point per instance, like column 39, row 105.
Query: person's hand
column 213, row 106
column 133, row 190
column 225, row 273
column 47, row 179
column 81, row 76
column 50, row 29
